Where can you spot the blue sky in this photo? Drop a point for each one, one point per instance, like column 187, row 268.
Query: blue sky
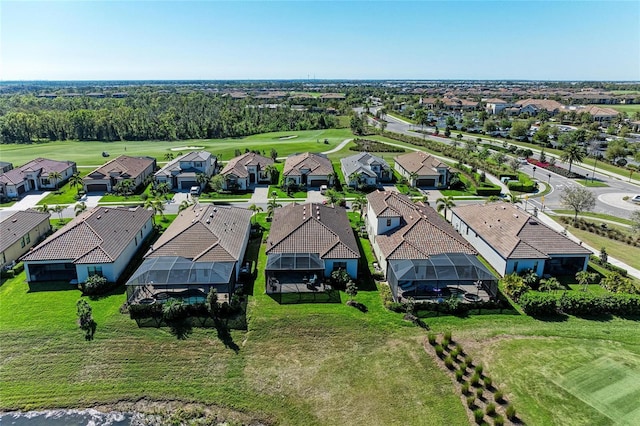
column 547, row 40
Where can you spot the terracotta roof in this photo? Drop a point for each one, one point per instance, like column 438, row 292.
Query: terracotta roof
column 238, row 165
column 99, row 235
column 18, row 224
column 313, row 228
column 42, row 165
column 318, row 164
column 419, row 162
column 123, row 166
column 496, row 101
column 514, row 233
column 205, row 233
column 422, row 231
column 546, row 104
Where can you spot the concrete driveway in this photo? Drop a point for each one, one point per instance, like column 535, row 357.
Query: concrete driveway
column 29, row 201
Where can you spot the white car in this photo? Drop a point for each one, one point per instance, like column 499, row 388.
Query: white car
column 195, row 190
column 636, row 199
column 323, row 189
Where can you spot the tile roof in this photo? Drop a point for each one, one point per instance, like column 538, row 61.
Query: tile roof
column 546, row 104
column 205, row 233
column 123, row 166
column 514, row 233
column 422, row 231
column 318, row 164
column 174, row 165
column 18, row 224
column 496, row 101
column 99, row 235
column 361, row 163
column 43, row 165
column 421, row 163
column 238, row 165
column 313, row 228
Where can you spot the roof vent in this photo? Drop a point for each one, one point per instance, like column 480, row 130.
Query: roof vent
column 533, row 222
column 210, row 214
column 98, row 217
column 208, row 220
column 215, row 209
column 515, row 215
column 14, row 220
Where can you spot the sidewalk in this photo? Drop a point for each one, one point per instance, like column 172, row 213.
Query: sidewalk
column 559, row 228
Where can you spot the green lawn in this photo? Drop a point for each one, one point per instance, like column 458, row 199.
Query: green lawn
column 66, row 196
column 591, row 183
column 88, row 154
column 629, row 109
column 597, row 216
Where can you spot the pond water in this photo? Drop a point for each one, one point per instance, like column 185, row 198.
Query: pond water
column 68, row 418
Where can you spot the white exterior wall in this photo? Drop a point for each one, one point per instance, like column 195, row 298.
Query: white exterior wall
column 485, row 250
column 352, row 267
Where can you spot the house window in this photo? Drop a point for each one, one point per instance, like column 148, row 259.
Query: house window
column 22, row 243
column 388, row 222
column 515, row 266
column 45, row 181
column 198, row 164
column 28, row 238
column 145, row 225
column 339, row 265
column 94, row 270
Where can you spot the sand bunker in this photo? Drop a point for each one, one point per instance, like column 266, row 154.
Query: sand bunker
column 184, row 148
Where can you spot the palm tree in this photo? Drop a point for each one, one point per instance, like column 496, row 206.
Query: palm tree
column 273, row 173
column 80, row 207
column 184, row 205
column 255, row 209
column 571, row 153
column 124, row 187
column 332, row 177
column 202, row 179
column 333, row 196
column 360, row 203
column 425, row 200
column 55, row 176
column 444, row 203
column 511, row 198
column 272, row 206
column 169, row 156
column 44, row 209
column 357, row 178
column 550, row 284
column 58, row 209
column 75, row 180
column 492, row 199
column 584, row 278
column 156, row 205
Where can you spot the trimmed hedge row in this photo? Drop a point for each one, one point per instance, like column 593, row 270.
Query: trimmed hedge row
column 580, row 304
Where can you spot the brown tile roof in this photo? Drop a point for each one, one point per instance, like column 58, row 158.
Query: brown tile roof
column 422, row 231
column 514, row 233
column 313, row 228
column 18, row 224
column 122, row 166
column 318, row 164
column 99, row 235
column 421, row 163
column 546, row 104
column 43, row 165
column 205, row 233
column 238, row 165
column 496, row 101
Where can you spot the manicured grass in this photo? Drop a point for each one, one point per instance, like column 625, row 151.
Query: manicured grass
column 617, row 249
column 67, row 195
column 89, row 153
column 591, row 183
column 113, row 198
column 629, row 109
column 283, row 194
column 596, row 215
column 8, row 203
column 213, row 196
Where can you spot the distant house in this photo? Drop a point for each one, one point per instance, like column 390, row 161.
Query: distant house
column 246, row 170
column 35, row 176
column 420, row 253
column 100, row 241
column 202, row 249
column 182, row 172
column 370, row 170
column 423, row 170
column 495, row 105
column 306, row 244
column 534, row 106
column 512, row 240
column 5, row 166
column 107, row 176
column 21, row 231
column 308, row 169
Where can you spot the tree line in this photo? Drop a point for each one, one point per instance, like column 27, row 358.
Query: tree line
column 146, row 116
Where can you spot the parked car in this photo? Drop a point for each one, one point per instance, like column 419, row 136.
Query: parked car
column 195, row 190
column 323, row 189
column 636, row 199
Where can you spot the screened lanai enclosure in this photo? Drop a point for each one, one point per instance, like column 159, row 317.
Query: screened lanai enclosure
column 298, row 278
column 442, row 276
column 159, row 279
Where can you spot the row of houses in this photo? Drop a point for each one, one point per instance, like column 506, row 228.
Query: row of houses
column 534, row 106
column 419, row 252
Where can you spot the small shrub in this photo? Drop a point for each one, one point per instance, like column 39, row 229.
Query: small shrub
column 471, row 401
column 498, row 396
column 487, row 382
column 445, row 342
column 479, row 369
column 447, row 336
column 498, row 420
column 479, row 393
column 469, row 360
column 490, row 409
column 459, row 375
column 463, row 366
column 459, row 349
column 478, row 415
column 439, row 350
column 432, row 339
column 448, row 361
column 454, row 353
column 510, row 412
column 475, row 380
column 95, row 284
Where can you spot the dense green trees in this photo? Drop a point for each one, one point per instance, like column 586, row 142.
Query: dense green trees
column 144, row 116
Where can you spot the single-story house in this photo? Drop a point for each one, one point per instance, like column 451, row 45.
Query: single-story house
column 105, row 177
column 182, row 172
column 421, row 255
column 246, row 170
column 35, row 176
column 512, row 240
column 21, row 231
column 100, row 241
column 423, row 170
column 365, row 169
column 308, row 169
column 309, row 241
column 202, row 249
column 495, row 105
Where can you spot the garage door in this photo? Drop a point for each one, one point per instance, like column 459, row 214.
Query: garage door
column 21, row 189
column 426, row 182
column 317, row 183
column 97, row 187
column 187, row 184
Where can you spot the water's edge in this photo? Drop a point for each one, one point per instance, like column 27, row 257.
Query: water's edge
column 86, row 417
